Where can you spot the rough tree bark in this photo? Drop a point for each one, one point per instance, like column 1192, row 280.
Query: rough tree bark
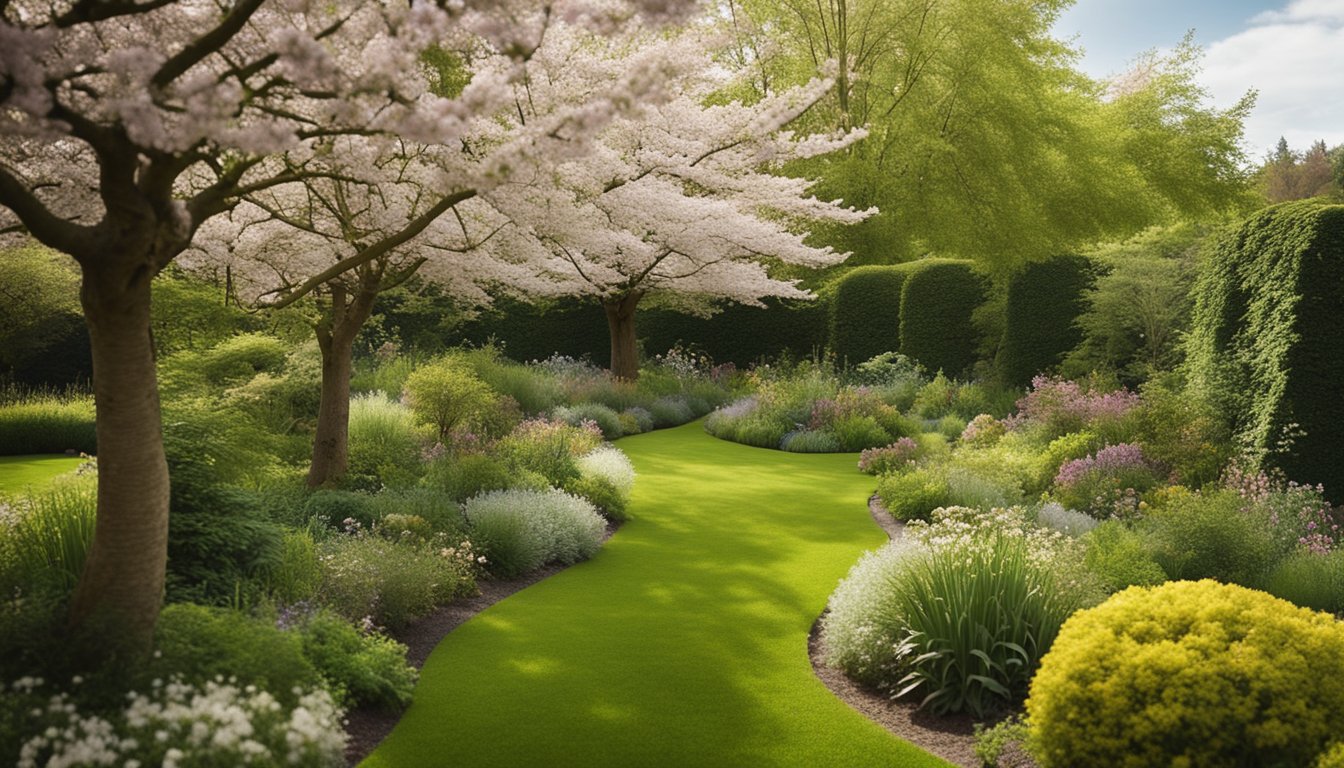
column 336, row 334
column 119, row 593
column 621, row 326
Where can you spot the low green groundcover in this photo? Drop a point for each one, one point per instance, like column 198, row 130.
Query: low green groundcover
column 683, row 642
column 19, row 473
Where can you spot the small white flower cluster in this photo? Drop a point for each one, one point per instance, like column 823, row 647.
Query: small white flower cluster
column 855, row 638
column 610, row 464
column 177, row 724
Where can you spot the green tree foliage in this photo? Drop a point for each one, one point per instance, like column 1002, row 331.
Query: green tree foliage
column 1265, row 343
column 1288, row 175
column 984, row 141
column 447, row 394
column 937, row 302
column 1135, row 314
column 189, row 313
column 865, row 316
column 1044, row 299
column 42, row 335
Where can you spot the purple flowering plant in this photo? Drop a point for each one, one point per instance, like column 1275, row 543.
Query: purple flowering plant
column 1107, row 483
column 898, row 456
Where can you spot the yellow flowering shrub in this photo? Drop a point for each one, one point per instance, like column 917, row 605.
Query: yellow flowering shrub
column 1189, row 674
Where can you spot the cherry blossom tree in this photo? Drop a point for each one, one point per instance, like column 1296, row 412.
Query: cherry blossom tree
column 354, row 230
column 125, row 125
column 675, row 202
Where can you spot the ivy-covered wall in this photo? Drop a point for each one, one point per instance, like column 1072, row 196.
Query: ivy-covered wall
column 1043, row 301
column 1267, row 344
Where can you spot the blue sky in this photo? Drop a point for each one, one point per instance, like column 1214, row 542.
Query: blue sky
column 1290, row 51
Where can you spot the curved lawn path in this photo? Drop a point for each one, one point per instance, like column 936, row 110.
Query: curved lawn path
column 682, row 643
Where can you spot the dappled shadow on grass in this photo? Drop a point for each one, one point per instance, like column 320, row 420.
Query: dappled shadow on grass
column 682, row 643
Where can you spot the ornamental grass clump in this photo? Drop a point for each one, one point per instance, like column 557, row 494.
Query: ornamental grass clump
column 1189, row 673
column 522, row 530
column 1106, row 483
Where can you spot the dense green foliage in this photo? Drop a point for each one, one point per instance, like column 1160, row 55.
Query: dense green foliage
column 1043, row 301
column 1265, row 340
column 43, row 340
column 937, row 302
column 865, row 312
column 44, row 423
column 1189, row 673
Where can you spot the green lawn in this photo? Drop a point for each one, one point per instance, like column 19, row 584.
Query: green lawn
column 18, row 473
column 683, row 643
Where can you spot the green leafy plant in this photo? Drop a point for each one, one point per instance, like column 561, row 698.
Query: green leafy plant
column 362, row 669
column 520, row 531
column 913, row 495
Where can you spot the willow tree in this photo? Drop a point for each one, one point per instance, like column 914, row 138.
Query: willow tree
column 124, row 126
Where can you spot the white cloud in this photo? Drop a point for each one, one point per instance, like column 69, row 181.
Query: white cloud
column 1294, row 57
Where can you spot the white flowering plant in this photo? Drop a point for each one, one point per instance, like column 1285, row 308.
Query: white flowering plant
column 611, row 464
column 176, row 725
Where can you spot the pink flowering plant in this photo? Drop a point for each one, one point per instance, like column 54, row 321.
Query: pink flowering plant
column 1299, row 515
column 1056, row 406
column 896, row 457
column 1106, row 483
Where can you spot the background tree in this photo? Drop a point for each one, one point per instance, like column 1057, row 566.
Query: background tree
column 125, row 126
column 973, row 108
column 675, row 204
column 1289, row 175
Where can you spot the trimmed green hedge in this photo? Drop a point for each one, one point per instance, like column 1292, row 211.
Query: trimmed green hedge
column 1044, row 300
column 739, row 334
column 865, row 316
column 1265, row 346
column 937, row 300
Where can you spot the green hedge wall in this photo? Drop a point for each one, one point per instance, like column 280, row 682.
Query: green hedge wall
column 1268, row 336
column 739, row 334
column 1044, row 299
column 937, row 300
column 865, row 312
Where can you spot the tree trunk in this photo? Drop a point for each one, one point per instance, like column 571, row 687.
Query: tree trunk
column 336, row 338
column 621, row 325
column 120, row 591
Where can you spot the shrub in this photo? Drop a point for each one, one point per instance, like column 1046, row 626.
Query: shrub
column 1189, row 673
column 934, row 400
column 670, row 411
column 761, row 432
column 937, row 301
column 610, row 464
column 384, row 443
column 46, row 424
column 914, row 494
column 535, row 389
column 464, row 476
column 1105, row 483
column 360, row 669
column 333, row 508
column 898, row 456
column 520, row 531
column 242, row 357
column 1121, row 557
column 1260, row 347
column 602, row 494
column 1208, row 536
column 1055, row 517
column 809, row 441
column 983, row 431
column 1043, row 301
column 550, row 448
column 605, row 418
column 447, row 394
column 1182, row 433
column 642, row 418
column 1311, row 580
column 397, row 526
column 1055, row 407
column 858, row 633
column 951, row 426
column 168, row 725
column 197, row 643
column 865, row 312
column 431, row 505
column 857, row 432
column 393, row 583
column 966, row 488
